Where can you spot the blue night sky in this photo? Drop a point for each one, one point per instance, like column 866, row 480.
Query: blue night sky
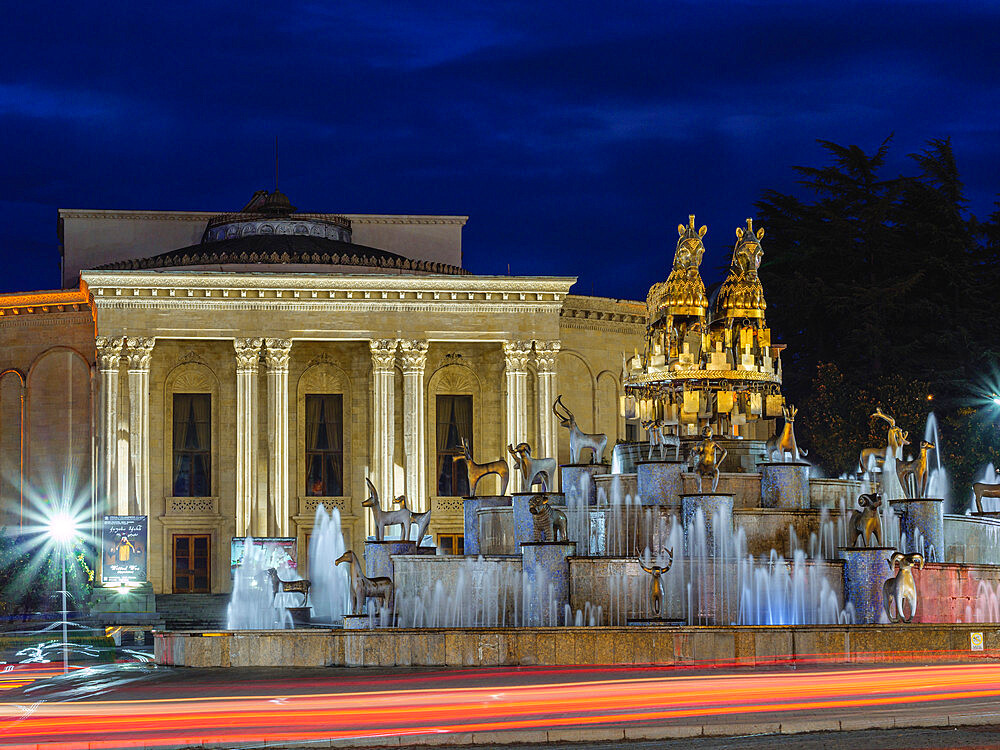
column 576, row 136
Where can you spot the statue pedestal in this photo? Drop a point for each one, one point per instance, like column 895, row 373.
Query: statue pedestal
column 359, row 622
column 545, row 566
column 471, row 506
column 378, row 556
column 715, row 507
column 578, row 483
column 784, row 484
column 923, row 517
column 659, row 482
column 865, row 570
column 301, row 616
column 524, row 522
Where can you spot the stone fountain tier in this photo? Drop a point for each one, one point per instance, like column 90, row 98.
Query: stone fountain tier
column 711, row 505
column 922, row 518
column 771, row 528
column 744, row 487
column 524, row 522
column 378, row 555
column 471, row 507
column 611, row 485
column 830, row 493
column 865, row 570
column 660, row 482
column 546, row 580
column 784, row 484
column 579, row 483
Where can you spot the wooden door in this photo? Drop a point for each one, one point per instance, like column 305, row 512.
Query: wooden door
column 191, row 564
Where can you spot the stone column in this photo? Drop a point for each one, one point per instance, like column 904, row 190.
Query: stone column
column 140, row 352
column 383, row 416
column 109, row 357
column 414, row 358
column 276, row 356
column 516, row 355
column 247, row 359
column 546, row 361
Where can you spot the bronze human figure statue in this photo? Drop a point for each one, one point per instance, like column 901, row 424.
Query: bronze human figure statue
column 901, row 588
column 656, row 588
column 475, row 471
column 364, row 588
column 549, row 522
column 866, row 522
column 707, row 457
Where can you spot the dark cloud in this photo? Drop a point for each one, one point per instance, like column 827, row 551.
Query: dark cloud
column 575, row 135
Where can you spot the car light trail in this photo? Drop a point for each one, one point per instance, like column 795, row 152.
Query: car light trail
column 426, row 708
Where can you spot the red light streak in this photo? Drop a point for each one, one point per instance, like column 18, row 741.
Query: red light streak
column 428, row 708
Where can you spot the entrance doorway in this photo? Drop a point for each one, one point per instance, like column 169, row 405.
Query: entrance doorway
column 191, row 556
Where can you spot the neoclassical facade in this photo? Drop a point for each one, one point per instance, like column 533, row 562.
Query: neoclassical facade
column 231, row 387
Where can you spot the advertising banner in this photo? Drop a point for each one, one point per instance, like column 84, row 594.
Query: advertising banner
column 278, row 551
column 123, row 549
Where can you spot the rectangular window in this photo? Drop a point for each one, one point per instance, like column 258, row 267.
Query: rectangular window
column 191, row 563
column 192, row 445
column 325, row 445
column 451, row 544
column 454, row 423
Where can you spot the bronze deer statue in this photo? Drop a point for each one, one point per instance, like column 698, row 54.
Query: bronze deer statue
column 916, row 470
column 383, row 518
column 896, row 439
column 983, row 489
column 364, row 588
column 475, row 471
column 289, row 587
column 785, row 442
column 578, row 439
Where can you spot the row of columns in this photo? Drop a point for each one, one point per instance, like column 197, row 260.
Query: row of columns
column 124, row 460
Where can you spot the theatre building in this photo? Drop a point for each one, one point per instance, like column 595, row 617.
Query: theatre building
column 225, row 374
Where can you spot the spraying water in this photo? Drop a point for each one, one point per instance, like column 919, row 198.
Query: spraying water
column 330, row 583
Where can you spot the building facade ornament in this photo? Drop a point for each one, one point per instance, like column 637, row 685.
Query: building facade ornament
column 250, row 519
column 277, row 353
column 109, row 352
column 109, row 357
column 516, row 355
column 546, row 366
column 140, row 355
column 247, row 353
column 383, row 354
column 140, row 352
column 413, row 355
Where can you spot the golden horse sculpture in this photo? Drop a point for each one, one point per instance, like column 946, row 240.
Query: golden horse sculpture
column 903, row 587
column 475, row 471
column 364, row 588
column 707, row 457
column 785, row 442
column 915, row 470
column 983, row 489
column 656, row 588
column 866, row 522
column 896, row 439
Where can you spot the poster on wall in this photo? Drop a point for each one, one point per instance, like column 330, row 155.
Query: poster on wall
column 123, row 549
column 278, row 551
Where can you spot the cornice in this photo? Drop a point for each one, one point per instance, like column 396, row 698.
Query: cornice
column 19, row 319
column 54, row 301
column 587, row 324
column 603, row 314
column 96, row 213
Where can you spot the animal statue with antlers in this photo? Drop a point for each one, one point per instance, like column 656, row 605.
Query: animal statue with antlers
column 533, row 470
column 706, row 459
column 866, row 522
column 915, row 470
column 549, row 522
column 659, row 439
column 289, row 587
column 896, row 439
column 475, row 471
column 984, row 489
column 656, row 588
column 400, row 516
column 364, row 588
column 903, row 587
column 779, row 445
column 578, row 439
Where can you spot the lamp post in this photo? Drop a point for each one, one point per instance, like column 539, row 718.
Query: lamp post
column 62, row 529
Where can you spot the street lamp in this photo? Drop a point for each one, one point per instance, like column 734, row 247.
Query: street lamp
column 62, row 529
column 995, row 398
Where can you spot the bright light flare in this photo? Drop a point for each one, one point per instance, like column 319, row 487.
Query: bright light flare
column 62, row 527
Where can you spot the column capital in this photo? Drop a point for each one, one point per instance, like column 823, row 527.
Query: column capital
column 516, row 355
column 277, row 353
column 383, row 354
column 546, row 355
column 247, row 353
column 413, row 355
column 109, row 352
column 140, row 352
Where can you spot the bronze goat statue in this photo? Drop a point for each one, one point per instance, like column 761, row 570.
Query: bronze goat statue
column 866, row 522
column 917, row 471
column 533, row 470
column 578, row 439
column 549, row 523
column 779, row 445
column 289, row 587
column 895, row 438
column 364, row 588
column 475, row 471
column 401, row 516
column 903, row 587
